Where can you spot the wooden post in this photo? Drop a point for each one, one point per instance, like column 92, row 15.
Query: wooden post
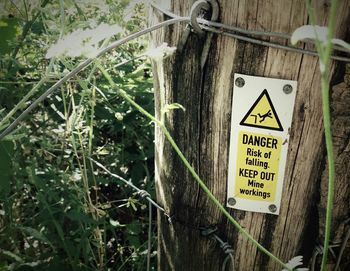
column 203, row 130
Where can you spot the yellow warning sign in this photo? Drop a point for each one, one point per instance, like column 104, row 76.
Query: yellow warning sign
column 258, row 158
column 262, row 114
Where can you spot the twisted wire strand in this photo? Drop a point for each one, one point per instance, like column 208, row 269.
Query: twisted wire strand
column 319, row 251
column 149, row 245
column 260, row 33
column 274, row 45
column 220, row 28
column 206, row 25
column 210, row 26
column 142, row 193
column 225, row 246
column 342, row 249
column 208, row 232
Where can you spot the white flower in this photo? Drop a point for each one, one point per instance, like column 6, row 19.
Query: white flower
column 315, row 32
column 162, row 51
column 119, row 116
column 309, row 32
column 295, row 262
column 82, row 42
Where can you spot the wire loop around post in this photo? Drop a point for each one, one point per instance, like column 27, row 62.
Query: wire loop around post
column 196, row 9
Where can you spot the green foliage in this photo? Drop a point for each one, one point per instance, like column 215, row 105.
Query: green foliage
column 6, row 152
column 9, row 31
column 57, row 211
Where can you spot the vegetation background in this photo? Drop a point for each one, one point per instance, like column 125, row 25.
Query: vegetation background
column 57, row 210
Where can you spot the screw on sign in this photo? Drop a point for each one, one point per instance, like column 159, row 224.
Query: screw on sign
column 231, row 201
column 272, row 208
column 287, row 89
column 239, row 82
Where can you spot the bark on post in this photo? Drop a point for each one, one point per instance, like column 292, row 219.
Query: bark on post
column 202, row 133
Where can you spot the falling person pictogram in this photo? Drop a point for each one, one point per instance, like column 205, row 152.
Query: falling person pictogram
column 262, row 117
column 256, row 117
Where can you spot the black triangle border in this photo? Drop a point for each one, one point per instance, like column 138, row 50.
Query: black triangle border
column 280, row 128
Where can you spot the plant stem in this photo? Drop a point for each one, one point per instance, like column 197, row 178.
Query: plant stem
column 23, row 101
column 324, row 51
column 83, row 65
column 25, row 31
column 327, row 130
column 124, row 95
column 216, row 202
column 330, row 157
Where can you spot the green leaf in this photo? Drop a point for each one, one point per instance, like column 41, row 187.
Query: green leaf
column 6, row 152
column 12, row 255
column 134, row 230
column 4, row 266
column 80, row 216
column 14, row 137
column 56, row 264
column 36, row 234
column 9, row 30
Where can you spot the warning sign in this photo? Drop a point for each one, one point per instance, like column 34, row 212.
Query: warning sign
column 262, row 110
column 257, row 166
column 262, row 114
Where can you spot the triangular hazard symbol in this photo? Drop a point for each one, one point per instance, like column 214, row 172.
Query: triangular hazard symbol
column 262, row 114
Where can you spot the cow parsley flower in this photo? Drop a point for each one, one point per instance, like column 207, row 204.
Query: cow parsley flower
column 295, row 262
column 314, row 32
column 82, row 42
column 161, row 52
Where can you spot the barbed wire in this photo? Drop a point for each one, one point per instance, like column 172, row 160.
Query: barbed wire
column 141, row 192
column 207, row 232
column 145, row 195
column 342, row 246
column 319, row 251
column 225, row 246
column 206, row 25
column 210, row 26
column 149, row 236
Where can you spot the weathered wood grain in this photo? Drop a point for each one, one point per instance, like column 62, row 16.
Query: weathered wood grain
column 202, row 133
column 341, row 138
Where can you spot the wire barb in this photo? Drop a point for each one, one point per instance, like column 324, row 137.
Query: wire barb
column 142, row 193
column 225, row 246
column 208, row 231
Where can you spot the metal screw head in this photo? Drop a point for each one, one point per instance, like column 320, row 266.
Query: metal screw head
column 231, row 201
column 287, row 89
column 239, row 82
column 272, row 208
